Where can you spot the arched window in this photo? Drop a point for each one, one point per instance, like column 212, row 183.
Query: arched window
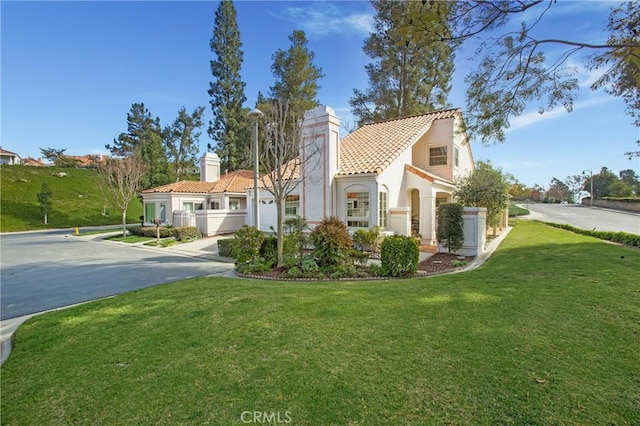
column 358, row 209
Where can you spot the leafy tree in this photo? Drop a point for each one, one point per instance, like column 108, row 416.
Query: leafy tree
column 630, row 177
column 517, row 68
column 518, row 190
column 631, row 154
column 229, row 127
column 486, row 187
column 601, row 183
column 53, row 154
column 450, row 229
column 45, row 198
column 408, row 75
column 620, row 189
column 558, row 191
column 144, row 139
column 182, row 140
column 122, row 178
column 575, row 184
column 296, row 76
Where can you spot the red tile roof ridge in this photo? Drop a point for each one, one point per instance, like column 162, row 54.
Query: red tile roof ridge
column 437, row 111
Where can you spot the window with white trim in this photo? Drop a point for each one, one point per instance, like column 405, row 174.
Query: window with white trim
column 215, row 205
column 438, row 156
column 456, row 156
column 149, row 211
column 358, row 209
column 292, row 205
column 188, row 206
column 383, row 204
column 163, row 212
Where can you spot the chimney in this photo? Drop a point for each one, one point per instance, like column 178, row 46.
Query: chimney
column 209, row 167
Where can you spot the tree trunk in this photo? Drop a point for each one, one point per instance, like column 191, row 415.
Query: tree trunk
column 280, row 231
column 124, row 222
column 46, row 220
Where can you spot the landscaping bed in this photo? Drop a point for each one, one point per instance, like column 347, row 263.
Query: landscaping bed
column 440, row 263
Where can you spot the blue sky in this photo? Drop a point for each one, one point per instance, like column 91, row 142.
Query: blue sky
column 71, row 70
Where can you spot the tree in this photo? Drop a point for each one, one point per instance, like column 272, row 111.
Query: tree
column 575, row 184
column 486, row 187
column 45, row 199
column 450, row 229
column 601, row 183
column 620, row 189
column 53, row 154
column 229, row 127
column 122, row 178
column 517, row 68
column 296, row 76
column 632, row 179
column 144, row 139
column 631, row 154
column 408, row 75
column 182, row 140
column 279, row 155
column 558, row 191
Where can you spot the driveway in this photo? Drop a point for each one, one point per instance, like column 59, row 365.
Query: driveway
column 586, row 217
column 47, row 270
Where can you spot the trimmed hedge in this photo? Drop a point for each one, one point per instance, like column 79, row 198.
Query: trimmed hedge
column 186, row 233
column 616, row 237
column 225, row 247
column 400, row 256
column 150, row 231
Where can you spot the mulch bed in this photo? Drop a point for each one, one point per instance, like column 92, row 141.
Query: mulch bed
column 440, row 263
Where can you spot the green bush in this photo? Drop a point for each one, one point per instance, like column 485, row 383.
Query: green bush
column 150, row 231
column 225, row 247
column 450, row 226
column 616, row 237
column 331, row 242
column 269, row 250
column 246, row 248
column 400, row 255
column 186, row 233
column 367, row 239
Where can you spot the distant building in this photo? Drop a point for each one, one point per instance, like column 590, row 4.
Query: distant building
column 33, row 162
column 8, row 157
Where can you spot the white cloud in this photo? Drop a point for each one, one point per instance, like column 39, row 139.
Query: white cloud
column 325, row 18
column 535, row 117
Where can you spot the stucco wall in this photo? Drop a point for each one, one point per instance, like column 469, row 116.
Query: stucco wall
column 630, row 206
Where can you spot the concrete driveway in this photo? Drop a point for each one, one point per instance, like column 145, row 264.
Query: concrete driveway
column 47, row 270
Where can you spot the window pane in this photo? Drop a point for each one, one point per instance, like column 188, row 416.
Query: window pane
column 438, row 156
column 163, row 212
column 291, row 205
column 358, row 204
column 382, row 214
column 149, row 211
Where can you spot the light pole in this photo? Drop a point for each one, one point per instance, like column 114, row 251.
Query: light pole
column 255, row 115
column 591, row 180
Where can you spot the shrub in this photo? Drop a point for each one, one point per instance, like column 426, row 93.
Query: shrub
column 616, row 237
column 331, row 242
column 269, row 250
column 186, row 233
column 399, row 256
column 225, row 247
column 246, row 248
column 367, row 239
column 450, row 226
column 294, row 272
column 150, row 231
column 309, row 266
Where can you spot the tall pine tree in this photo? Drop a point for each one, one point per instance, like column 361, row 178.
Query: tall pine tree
column 408, row 75
column 144, row 138
column 296, row 76
column 182, row 140
column 229, row 127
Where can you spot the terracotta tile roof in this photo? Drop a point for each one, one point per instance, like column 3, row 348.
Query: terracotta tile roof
column 291, row 170
column 32, row 162
column 371, row 148
column 5, row 152
column 236, row 181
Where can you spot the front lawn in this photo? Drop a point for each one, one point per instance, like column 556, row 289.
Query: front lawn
column 546, row 332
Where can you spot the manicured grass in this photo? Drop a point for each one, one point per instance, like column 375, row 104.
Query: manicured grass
column 546, row 332
column 129, row 239
column 77, row 199
column 517, row 211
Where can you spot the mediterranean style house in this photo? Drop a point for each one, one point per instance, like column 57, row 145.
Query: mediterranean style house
column 391, row 174
column 8, row 157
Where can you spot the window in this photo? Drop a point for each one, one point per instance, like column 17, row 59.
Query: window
column 438, row 156
column 188, row 206
column 358, row 209
column 149, row 211
column 215, row 205
column 163, row 212
column 456, row 156
column 234, row 205
column 382, row 214
column 292, row 205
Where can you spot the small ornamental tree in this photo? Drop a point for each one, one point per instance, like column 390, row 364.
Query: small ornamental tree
column 246, row 248
column 45, row 199
column 399, row 256
column 331, row 242
column 450, row 226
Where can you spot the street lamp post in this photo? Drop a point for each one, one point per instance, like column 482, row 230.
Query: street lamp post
column 591, row 180
column 255, row 114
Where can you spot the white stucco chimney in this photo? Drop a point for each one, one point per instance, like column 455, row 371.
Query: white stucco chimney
column 209, row 167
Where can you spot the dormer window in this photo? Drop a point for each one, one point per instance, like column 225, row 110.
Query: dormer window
column 438, row 156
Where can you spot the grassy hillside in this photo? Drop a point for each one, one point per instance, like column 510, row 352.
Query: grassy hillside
column 77, row 199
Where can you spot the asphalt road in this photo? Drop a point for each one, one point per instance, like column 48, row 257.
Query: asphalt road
column 46, row 270
column 586, row 217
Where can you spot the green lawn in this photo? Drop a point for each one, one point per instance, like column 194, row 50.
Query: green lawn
column 517, row 211
column 77, row 199
column 129, row 239
column 546, row 332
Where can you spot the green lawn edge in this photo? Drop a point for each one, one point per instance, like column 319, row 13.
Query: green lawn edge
column 545, row 332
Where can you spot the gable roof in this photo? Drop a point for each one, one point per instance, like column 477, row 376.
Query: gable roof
column 236, row 182
column 371, row 148
column 8, row 153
